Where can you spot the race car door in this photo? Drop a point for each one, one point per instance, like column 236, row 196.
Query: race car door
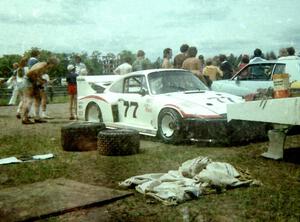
column 133, row 102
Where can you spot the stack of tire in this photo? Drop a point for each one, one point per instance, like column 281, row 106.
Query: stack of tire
column 118, row 142
column 80, row 136
column 87, row 136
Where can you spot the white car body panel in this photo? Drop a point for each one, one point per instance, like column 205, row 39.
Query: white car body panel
column 141, row 112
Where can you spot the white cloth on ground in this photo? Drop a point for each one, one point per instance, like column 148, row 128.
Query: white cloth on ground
column 190, row 181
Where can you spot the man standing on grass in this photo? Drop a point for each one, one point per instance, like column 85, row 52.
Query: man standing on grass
column 72, row 91
column 31, row 83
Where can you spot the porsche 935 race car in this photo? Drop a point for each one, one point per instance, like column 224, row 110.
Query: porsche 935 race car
column 172, row 104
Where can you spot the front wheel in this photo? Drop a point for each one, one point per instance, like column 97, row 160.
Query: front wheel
column 93, row 113
column 170, row 126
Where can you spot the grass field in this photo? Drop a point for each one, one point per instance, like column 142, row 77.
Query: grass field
column 276, row 200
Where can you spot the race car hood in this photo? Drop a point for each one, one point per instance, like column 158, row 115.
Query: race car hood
column 200, row 103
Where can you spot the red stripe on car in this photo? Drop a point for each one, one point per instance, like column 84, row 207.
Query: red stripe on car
column 186, row 115
column 94, row 97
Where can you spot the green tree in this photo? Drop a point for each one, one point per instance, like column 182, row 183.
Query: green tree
column 126, row 54
column 6, row 62
column 157, row 63
column 93, row 64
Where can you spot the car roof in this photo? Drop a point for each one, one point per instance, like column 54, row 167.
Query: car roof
column 148, row 71
column 280, row 60
column 264, row 62
column 289, row 58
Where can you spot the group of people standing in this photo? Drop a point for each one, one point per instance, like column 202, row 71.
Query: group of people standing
column 187, row 59
column 30, row 78
column 206, row 70
column 212, row 69
column 29, row 82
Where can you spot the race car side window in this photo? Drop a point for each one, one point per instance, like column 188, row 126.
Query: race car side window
column 256, row 72
column 279, row 69
column 134, row 84
column 117, row 87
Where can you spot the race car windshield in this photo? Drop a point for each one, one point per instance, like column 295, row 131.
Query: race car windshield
column 174, row 81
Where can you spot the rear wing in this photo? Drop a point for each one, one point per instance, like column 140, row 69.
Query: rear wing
column 87, row 85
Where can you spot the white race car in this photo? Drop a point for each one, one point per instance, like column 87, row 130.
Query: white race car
column 172, row 104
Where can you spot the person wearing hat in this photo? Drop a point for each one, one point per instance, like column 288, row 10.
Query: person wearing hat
column 72, row 90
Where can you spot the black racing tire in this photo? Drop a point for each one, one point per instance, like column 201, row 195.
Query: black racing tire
column 170, row 126
column 118, row 142
column 93, row 113
column 80, row 136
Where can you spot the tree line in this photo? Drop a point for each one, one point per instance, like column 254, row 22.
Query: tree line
column 97, row 63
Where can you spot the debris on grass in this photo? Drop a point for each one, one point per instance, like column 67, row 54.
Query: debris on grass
column 195, row 177
column 22, row 159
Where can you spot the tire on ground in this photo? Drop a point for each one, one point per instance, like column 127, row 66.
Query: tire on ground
column 80, row 136
column 118, row 142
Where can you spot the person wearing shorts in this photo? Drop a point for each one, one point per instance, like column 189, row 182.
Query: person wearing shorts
column 31, row 90
column 72, row 91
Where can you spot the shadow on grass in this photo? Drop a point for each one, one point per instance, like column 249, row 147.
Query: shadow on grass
column 292, row 155
column 59, row 121
column 5, row 116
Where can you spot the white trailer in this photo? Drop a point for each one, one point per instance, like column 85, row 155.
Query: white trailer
column 282, row 113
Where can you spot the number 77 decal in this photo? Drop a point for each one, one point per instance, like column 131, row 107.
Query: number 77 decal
column 128, row 104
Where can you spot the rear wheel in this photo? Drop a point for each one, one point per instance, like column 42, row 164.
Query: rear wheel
column 170, row 126
column 93, row 113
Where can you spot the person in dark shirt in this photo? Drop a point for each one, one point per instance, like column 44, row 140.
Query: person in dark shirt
column 34, row 54
column 290, row 51
column 225, row 67
column 141, row 63
column 72, row 90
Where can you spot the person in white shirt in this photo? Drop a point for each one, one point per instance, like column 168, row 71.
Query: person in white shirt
column 20, row 73
column 124, row 68
column 12, row 84
column 79, row 66
column 43, row 94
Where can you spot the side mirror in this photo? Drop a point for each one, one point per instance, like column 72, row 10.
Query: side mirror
column 237, row 80
column 143, row 92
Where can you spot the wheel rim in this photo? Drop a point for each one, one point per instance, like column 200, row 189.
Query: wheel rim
column 93, row 114
column 168, row 125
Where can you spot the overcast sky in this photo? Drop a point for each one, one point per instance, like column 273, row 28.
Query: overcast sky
column 213, row 26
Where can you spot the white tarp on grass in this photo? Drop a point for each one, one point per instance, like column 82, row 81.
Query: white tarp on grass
column 194, row 177
column 13, row 159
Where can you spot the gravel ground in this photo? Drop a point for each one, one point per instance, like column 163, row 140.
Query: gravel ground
column 10, row 124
